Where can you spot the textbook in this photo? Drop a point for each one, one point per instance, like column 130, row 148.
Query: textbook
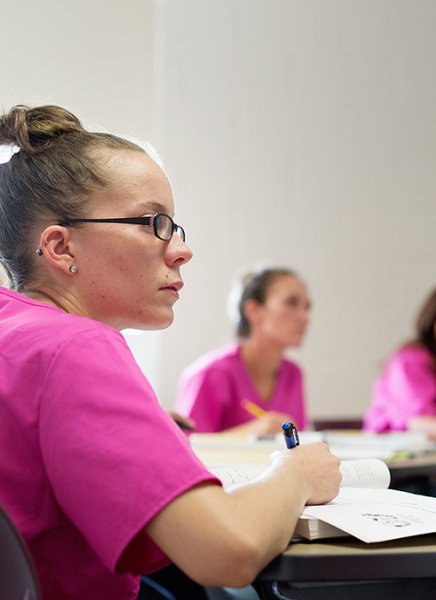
column 364, row 507
column 367, row 473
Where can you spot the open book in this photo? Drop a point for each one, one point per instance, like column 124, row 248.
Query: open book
column 364, row 508
column 368, row 473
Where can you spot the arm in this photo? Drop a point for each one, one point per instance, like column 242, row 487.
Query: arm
column 207, row 531
column 144, row 477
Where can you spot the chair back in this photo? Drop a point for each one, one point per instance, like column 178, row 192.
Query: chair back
column 18, row 579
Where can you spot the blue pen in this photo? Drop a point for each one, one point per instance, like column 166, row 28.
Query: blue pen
column 290, row 434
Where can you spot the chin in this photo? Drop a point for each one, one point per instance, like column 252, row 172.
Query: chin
column 152, row 322
column 294, row 343
column 163, row 323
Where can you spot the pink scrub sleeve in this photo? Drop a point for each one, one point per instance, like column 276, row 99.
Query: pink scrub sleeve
column 113, row 456
column 406, row 388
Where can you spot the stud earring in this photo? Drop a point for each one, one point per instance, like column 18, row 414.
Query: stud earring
column 73, row 269
column 39, row 251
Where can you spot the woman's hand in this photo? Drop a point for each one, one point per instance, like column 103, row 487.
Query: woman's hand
column 317, row 468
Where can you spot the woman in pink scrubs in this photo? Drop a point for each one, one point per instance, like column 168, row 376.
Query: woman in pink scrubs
column 251, row 386
column 405, row 393
column 101, row 482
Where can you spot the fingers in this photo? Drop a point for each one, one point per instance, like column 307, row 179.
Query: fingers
column 316, row 465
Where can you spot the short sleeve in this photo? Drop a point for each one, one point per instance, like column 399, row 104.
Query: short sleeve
column 113, row 456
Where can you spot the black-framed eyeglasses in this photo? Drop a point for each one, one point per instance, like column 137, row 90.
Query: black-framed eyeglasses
column 163, row 225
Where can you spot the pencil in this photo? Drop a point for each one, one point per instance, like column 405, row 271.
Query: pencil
column 253, row 409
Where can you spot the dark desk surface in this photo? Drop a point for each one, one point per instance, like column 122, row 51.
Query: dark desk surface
column 350, row 559
column 347, row 568
column 424, row 464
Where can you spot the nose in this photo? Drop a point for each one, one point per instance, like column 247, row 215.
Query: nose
column 304, row 314
column 177, row 251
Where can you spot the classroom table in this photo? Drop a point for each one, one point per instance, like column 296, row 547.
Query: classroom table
column 347, row 569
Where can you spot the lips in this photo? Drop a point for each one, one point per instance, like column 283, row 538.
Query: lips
column 176, row 286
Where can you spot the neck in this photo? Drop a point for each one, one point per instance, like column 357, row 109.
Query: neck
column 261, row 358
column 262, row 362
column 71, row 304
column 42, row 297
column 62, row 301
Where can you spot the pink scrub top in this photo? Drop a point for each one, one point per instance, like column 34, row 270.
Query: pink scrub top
column 211, row 390
column 87, row 455
column 405, row 389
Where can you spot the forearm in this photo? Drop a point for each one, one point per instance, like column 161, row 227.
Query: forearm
column 273, row 502
column 246, row 527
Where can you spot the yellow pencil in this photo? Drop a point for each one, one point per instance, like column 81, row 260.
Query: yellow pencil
column 253, row 409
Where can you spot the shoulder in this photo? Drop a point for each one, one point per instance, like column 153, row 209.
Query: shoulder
column 291, row 368
column 91, row 344
column 409, row 366
column 410, row 355
column 81, row 333
column 46, row 330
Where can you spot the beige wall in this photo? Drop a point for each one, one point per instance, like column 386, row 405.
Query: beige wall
column 93, row 57
column 303, row 132
column 299, row 132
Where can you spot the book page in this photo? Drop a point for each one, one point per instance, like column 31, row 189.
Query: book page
column 368, row 473
column 378, row 515
column 371, row 473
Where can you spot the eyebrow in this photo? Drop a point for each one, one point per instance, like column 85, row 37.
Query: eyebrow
column 152, row 207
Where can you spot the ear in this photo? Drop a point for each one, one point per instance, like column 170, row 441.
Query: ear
column 252, row 311
column 57, row 247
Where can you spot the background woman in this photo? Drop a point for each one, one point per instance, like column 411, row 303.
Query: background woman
column 405, row 393
column 250, row 387
column 98, row 478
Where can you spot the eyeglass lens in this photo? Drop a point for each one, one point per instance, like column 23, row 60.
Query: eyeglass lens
column 165, row 227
